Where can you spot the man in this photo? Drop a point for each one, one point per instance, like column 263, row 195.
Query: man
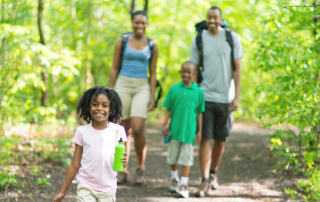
column 217, row 76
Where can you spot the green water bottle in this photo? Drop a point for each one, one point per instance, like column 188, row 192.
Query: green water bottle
column 118, row 154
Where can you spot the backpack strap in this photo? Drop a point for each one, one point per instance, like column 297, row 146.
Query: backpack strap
column 124, row 40
column 199, row 45
column 230, row 42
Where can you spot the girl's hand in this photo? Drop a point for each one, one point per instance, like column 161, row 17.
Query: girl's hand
column 151, row 104
column 59, row 197
column 124, row 160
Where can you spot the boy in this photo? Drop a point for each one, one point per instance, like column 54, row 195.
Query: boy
column 185, row 104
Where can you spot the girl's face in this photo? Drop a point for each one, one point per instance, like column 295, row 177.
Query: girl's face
column 139, row 24
column 100, row 108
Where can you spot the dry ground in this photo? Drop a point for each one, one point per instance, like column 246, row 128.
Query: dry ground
column 246, row 174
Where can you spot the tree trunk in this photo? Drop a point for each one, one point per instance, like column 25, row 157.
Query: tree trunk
column 132, row 7
column 44, row 74
column 146, row 6
column 88, row 71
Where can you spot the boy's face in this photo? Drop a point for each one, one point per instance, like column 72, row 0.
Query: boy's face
column 100, row 108
column 186, row 72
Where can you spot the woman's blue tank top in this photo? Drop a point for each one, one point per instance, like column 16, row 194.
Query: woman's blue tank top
column 135, row 62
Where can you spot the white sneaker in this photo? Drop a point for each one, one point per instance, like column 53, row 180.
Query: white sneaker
column 174, row 186
column 184, row 191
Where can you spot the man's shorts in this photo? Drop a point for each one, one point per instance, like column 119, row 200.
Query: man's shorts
column 134, row 94
column 217, row 121
column 180, row 153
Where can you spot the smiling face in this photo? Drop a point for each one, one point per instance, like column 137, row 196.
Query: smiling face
column 100, row 109
column 214, row 20
column 139, row 24
column 187, row 72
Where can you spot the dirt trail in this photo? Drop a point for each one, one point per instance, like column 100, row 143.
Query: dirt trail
column 245, row 173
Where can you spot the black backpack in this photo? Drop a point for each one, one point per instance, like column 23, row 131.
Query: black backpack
column 124, row 39
column 200, row 26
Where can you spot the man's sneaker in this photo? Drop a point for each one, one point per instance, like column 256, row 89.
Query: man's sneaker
column 203, row 189
column 122, row 177
column 174, row 186
column 184, row 191
column 213, row 181
column 139, row 178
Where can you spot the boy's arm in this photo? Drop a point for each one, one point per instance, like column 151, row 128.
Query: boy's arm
column 71, row 172
column 165, row 123
column 199, row 129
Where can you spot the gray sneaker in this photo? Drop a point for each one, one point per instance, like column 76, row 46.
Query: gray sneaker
column 174, row 186
column 139, row 178
column 203, row 189
column 184, row 191
column 213, row 181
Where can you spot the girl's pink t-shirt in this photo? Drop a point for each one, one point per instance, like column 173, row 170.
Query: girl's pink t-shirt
column 96, row 170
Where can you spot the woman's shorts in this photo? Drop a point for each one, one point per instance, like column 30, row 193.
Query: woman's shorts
column 89, row 195
column 135, row 95
column 180, row 153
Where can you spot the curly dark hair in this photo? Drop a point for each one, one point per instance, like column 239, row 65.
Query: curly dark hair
column 115, row 103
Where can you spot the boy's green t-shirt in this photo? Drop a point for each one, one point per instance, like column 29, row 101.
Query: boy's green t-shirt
column 185, row 103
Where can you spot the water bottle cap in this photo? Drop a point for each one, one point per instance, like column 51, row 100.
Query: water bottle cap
column 120, row 140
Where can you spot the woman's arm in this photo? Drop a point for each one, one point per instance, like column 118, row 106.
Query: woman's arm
column 153, row 79
column 71, row 172
column 115, row 64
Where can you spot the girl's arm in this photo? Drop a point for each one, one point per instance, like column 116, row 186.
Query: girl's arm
column 71, row 172
column 165, row 124
column 153, row 79
column 115, row 64
column 199, row 129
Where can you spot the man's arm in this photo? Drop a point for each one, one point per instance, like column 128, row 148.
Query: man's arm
column 236, row 75
column 165, row 124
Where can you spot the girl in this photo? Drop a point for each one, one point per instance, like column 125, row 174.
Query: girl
column 131, row 82
column 95, row 143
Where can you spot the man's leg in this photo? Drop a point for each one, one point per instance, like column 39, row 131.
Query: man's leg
column 205, row 157
column 217, row 151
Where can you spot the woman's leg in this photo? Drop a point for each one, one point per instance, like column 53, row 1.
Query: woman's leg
column 137, row 125
column 126, row 125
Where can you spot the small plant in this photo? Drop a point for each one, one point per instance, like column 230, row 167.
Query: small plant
column 6, row 179
column 43, row 182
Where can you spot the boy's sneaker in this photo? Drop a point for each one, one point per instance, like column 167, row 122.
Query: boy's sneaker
column 139, row 178
column 213, row 181
column 203, row 189
column 184, row 191
column 174, row 186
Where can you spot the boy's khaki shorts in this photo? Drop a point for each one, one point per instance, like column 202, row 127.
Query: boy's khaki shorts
column 89, row 195
column 180, row 153
column 134, row 94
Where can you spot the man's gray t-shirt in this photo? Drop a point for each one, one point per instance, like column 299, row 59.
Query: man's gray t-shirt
column 217, row 72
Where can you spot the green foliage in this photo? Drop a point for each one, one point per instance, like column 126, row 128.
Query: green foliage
column 288, row 59
column 43, row 182
column 7, row 179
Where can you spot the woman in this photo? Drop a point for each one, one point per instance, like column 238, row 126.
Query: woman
column 134, row 89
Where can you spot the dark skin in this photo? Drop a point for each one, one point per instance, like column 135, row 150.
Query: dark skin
column 100, row 111
column 187, row 73
column 214, row 19
column 137, row 41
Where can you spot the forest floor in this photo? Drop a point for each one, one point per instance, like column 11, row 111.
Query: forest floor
column 247, row 173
